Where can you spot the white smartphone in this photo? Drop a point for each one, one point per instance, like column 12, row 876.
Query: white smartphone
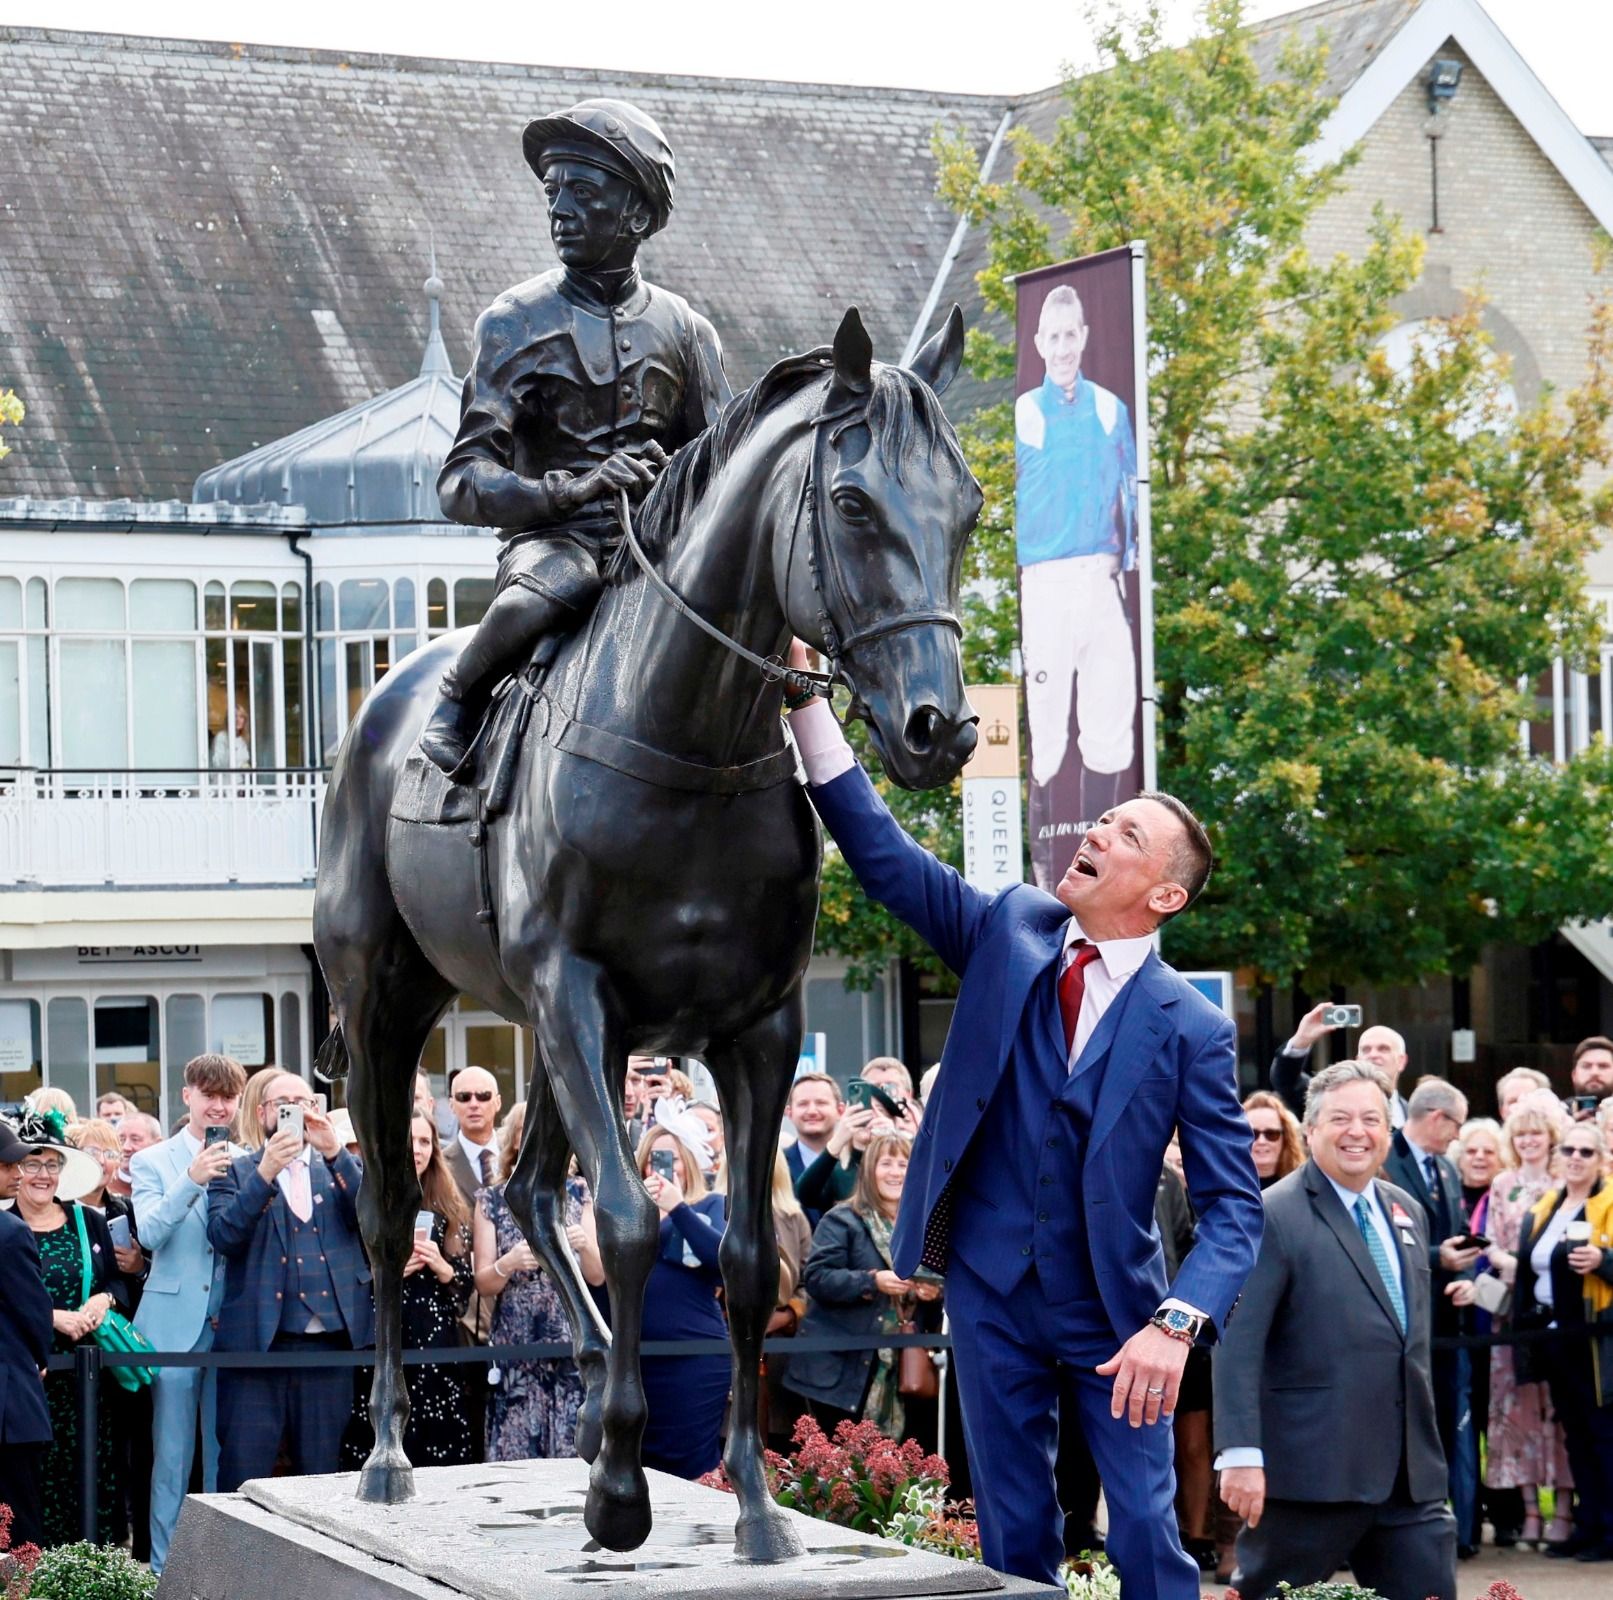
column 122, row 1235
column 423, row 1223
column 291, row 1121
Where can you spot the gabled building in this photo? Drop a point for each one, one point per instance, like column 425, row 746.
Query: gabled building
column 221, row 525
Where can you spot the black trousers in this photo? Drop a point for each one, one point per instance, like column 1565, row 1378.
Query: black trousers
column 1587, row 1433
column 22, row 1467
column 1404, row 1549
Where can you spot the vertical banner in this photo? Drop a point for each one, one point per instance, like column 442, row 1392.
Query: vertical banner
column 993, row 827
column 1081, row 524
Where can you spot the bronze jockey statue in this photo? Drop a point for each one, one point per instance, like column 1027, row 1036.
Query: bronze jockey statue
column 584, row 381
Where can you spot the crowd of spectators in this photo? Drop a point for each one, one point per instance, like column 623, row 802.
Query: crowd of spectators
column 239, row 1231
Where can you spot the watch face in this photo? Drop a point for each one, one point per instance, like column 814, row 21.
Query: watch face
column 1179, row 1320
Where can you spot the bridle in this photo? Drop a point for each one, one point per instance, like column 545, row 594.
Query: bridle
column 823, row 571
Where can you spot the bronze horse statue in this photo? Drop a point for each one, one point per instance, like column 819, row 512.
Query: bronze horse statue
column 653, row 886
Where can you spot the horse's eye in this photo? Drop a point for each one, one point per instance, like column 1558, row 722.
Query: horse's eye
column 853, row 505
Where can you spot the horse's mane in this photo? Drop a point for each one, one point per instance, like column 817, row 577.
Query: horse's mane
column 900, row 408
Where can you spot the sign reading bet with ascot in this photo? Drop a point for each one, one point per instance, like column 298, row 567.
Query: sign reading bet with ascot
column 993, row 823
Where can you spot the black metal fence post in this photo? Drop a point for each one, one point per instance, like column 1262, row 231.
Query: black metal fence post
column 87, row 1372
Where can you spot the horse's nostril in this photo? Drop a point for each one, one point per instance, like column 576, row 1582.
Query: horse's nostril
column 921, row 730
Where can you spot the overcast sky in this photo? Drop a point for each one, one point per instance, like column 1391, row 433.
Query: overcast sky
column 987, row 49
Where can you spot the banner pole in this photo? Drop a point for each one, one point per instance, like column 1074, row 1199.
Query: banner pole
column 1145, row 509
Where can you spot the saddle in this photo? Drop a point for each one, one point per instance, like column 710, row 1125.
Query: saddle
column 481, row 787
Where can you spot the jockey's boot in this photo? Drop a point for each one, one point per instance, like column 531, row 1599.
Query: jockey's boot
column 505, row 638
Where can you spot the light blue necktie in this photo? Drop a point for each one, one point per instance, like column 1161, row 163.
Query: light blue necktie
column 1380, row 1259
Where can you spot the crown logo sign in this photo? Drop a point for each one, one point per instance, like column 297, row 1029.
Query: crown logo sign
column 998, row 733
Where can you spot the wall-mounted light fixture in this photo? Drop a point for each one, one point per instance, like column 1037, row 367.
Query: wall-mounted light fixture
column 1443, row 80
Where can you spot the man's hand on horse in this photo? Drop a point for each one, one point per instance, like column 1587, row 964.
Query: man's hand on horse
column 620, row 470
column 1147, row 1370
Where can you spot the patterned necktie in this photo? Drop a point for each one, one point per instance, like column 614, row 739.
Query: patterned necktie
column 1436, row 1190
column 1380, row 1259
column 1072, row 987
column 487, row 1167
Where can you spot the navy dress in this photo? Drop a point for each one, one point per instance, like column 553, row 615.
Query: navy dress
column 686, row 1394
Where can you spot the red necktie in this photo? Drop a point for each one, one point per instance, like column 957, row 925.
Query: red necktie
column 1072, row 986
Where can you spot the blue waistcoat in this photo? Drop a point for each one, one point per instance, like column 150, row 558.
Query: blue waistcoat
column 1023, row 1178
column 309, row 1291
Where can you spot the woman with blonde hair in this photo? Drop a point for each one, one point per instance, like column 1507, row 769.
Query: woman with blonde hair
column 45, row 1101
column 686, row 1394
column 854, row 1292
column 249, row 1130
column 1525, row 1441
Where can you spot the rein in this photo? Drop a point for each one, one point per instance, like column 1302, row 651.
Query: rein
column 798, row 682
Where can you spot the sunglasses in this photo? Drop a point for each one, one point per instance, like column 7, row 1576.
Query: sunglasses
column 481, row 1095
column 1579, row 1150
column 1268, row 1135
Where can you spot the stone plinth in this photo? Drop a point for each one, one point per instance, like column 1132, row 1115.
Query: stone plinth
column 514, row 1531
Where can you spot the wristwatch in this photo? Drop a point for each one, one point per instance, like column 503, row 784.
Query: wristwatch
column 1178, row 1324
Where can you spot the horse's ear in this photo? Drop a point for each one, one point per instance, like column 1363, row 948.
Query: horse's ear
column 938, row 361
column 854, row 354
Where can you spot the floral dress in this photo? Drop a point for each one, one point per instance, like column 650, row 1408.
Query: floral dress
column 532, row 1409
column 1525, row 1440
column 439, row 1431
column 61, row 1264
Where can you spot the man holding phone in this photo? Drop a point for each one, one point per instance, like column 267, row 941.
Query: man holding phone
column 285, row 1219
column 1379, row 1046
column 186, row 1282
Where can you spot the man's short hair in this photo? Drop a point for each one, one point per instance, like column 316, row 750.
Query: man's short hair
column 214, row 1074
column 144, row 1119
column 891, row 1064
column 1323, row 1083
column 1192, row 858
column 819, row 1077
column 1435, row 1094
column 1596, row 1041
column 1062, row 295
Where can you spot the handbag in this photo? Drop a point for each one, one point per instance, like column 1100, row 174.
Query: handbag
column 116, row 1334
column 916, row 1377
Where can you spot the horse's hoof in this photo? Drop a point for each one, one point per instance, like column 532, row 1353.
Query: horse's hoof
column 766, row 1537
column 619, row 1521
column 386, row 1483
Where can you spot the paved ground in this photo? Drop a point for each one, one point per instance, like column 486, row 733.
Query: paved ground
column 1531, row 1574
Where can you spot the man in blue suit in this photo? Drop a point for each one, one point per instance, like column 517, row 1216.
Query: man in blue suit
column 26, row 1328
column 185, row 1284
column 1074, row 1052
column 285, row 1219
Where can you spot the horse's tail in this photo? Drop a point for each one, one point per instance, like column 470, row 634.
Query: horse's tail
column 331, row 1062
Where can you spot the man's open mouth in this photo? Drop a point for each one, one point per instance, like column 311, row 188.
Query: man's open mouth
column 1083, row 865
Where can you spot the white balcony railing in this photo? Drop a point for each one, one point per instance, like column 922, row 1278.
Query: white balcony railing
column 77, row 829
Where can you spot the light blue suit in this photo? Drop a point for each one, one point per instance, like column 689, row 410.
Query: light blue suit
column 176, row 1313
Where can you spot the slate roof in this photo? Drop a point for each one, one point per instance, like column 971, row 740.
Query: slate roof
column 206, row 247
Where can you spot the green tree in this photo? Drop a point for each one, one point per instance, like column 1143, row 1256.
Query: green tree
column 1355, row 566
column 11, row 413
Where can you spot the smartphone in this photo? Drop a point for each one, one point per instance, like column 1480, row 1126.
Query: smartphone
column 1342, row 1017
column 1583, row 1102
column 321, row 1103
column 118, row 1227
column 291, row 1121
column 664, row 1164
column 424, row 1222
column 213, row 1136
column 1473, row 1241
column 860, row 1092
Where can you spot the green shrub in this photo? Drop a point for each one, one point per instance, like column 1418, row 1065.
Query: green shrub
column 90, row 1572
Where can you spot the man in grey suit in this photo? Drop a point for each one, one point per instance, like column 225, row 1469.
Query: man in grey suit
column 1322, row 1385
